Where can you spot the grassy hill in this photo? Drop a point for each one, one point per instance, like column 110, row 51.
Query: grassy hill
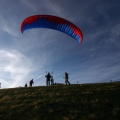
column 75, row 102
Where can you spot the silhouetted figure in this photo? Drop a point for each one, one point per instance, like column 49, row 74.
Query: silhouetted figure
column 110, row 80
column 31, row 82
column 26, row 85
column 52, row 80
column 0, row 85
column 48, row 77
column 66, row 79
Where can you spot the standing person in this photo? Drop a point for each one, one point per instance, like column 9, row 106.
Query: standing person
column 31, row 82
column 52, row 80
column 48, row 77
column 66, row 79
column 26, row 85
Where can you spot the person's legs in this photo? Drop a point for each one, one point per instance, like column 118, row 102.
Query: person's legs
column 65, row 81
column 68, row 82
column 46, row 82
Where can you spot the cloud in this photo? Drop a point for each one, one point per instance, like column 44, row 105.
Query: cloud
column 7, row 26
column 8, row 29
column 29, row 4
column 4, row 83
column 54, row 7
column 14, row 67
column 43, row 7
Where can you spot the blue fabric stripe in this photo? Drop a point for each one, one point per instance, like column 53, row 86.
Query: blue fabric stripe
column 47, row 24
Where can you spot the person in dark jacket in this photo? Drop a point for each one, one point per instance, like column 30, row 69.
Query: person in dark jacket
column 48, row 77
column 26, row 85
column 31, row 82
column 66, row 79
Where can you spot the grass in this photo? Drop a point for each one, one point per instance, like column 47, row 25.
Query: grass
column 75, row 102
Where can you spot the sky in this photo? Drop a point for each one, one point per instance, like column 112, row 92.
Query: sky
column 30, row 55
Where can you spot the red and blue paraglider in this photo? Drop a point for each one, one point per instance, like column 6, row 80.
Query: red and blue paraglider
column 52, row 22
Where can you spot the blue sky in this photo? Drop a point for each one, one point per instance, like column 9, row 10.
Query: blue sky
column 29, row 55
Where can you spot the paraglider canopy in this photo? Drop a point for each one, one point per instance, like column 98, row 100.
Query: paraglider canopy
column 52, row 22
